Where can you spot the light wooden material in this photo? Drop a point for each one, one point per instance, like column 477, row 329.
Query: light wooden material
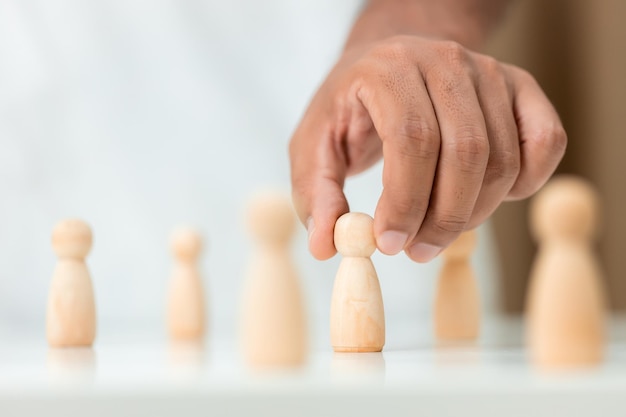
column 71, row 317
column 186, row 306
column 357, row 315
column 566, row 310
column 457, row 305
column 273, row 325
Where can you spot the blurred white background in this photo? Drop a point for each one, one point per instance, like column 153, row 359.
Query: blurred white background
column 138, row 116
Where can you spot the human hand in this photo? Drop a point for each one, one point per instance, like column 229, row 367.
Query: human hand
column 459, row 133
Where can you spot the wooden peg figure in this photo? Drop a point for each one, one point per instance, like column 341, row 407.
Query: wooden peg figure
column 357, row 315
column 566, row 309
column 273, row 324
column 457, row 305
column 186, row 308
column 71, row 316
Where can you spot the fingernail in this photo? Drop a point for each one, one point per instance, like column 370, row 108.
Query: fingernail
column 310, row 228
column 391, row 242
column 423, row 252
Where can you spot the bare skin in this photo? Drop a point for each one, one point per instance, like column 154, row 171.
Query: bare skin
column 459, row 132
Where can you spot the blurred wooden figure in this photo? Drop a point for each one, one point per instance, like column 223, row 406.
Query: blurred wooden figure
column 357, row 315
column 186, row 306
column 457, row 304
column 71, row 317
column 566, row 309
column 273, row 324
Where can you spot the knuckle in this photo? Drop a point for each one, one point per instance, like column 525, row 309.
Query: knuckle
column 453, row 52
column 524, row 77
column 415, row 128
column 492, row 72
column 395, row 48
column 524, row 74
column 448, row 63
column 361, row 76
column 449, row 224
column 502, row 165
column 490, row 65
column 398, row 46
column 471, row 151
column 554, row 139
column 418, row 138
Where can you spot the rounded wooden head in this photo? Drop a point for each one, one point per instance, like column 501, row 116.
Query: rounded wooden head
column 186, row 244
column 271, row 217
column 567, row 207
column 354, row 235
column 72, row 238
column 462, row 247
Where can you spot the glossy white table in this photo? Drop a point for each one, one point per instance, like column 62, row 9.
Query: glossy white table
column 137, row 375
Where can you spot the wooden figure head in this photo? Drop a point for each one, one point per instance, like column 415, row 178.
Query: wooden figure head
column 354, row 235
column 72, row 238
column 567, row 207
column 271, row 217
column 186, row 244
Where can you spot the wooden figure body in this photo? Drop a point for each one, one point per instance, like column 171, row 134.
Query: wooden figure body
column 565, row 310
column 457, row 305
column 273, row 324
column 71, row 316
column 186, row 307
column 357, row 315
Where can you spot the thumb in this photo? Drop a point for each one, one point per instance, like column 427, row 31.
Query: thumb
column 318, row 172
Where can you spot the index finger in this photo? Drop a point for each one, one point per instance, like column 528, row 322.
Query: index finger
column 403, row 115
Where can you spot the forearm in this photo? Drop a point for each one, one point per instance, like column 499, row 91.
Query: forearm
column 465, row 21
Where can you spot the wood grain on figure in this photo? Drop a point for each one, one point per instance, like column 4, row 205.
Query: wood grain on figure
column 457, row 304
column 186, row 307
column 71, row 315
column 357, row 316
column 273, row 324
column 566, row 307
